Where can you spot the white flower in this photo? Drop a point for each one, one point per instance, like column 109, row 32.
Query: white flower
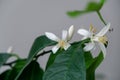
column 62, row 43
column 99, row 38
column 10, row 49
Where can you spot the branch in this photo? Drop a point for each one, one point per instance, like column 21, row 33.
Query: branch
column 43, row 53
column 10, row 64
column 36, row 57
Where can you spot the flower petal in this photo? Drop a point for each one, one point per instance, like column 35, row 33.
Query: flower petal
column 64, row 35
column 52, row 36
column 66, row 46
column 103, row 49
column 84, row 38
column 70, row 32
column 89, row 46
column 84, row 32
column 10, row 49
column 95, row 38
column 104, row 30
column 55, row 49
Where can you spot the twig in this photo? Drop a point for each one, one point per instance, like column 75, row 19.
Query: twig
column 43, row 53
column 36, row 57
column 10, row 63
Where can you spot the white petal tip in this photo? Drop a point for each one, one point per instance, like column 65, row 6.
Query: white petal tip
column 109, row 24
column 103, row 49
column 55, row 49
column 51, row 36
column 70, row 32
column 46, row 33
column 67, row 46
column 71, row 29
column 72, row 26
column 89, row 46
column 53, row 52
column 10, row 49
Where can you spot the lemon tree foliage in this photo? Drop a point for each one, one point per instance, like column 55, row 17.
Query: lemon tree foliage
column 4, row 57
column 67, row 61
column 92, row 6
column 68, row 65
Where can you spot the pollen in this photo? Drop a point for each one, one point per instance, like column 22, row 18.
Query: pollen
column 61, row 43
column 103, row 39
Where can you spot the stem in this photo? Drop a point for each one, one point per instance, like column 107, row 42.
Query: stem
column 41, row 54
column 36, row 57
column 10, row 64
column 101, row 18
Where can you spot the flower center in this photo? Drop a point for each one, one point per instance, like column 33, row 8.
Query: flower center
column 103, row 39
column 61, row 43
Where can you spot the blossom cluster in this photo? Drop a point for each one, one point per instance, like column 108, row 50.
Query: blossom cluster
column 98, row 38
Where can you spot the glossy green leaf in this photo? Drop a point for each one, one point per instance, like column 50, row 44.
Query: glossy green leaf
column 39, row 44
column 76, row 13
column 52, row 58
column 94, row 6
column 68, row 65
column 5, row 75
column 96, row 62
column 12, row 73
column 88, row 59
column 32, row 72
column 90, row 7
column 91, row 70
column 16, row 69
column 4, row 57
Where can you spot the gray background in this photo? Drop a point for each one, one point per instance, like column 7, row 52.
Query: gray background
column 21, row 21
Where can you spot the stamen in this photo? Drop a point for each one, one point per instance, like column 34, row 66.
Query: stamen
column 103, row 39
column 92, row 29
column 61, row 43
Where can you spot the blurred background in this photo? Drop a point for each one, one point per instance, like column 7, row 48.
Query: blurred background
column 21, row 21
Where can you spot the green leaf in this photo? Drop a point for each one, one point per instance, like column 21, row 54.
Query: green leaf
column 39, row 44
column 97, row 62
column 68, row 65
column 95, row 6
column 102, row 2
column 52, row 58
column 88, row 59
column 76, row 13
column 90, row 7
column 32, row 72
column 5, row 75
column 16, row 69
column 12, row 73
column 91, row 70
column 4, row 57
